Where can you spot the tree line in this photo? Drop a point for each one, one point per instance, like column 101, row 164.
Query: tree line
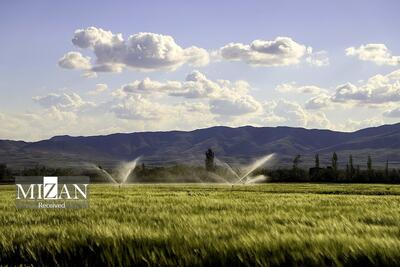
column 352, row 173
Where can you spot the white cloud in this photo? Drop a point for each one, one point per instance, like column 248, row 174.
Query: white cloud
column 35, row 126
column 100, row 87
column 159, row 115
column 294, row 88
column 148, row 86
column 292, row 114
column 62, row 101
column 56, row 114
column 377, row 53
column 137, row 107
column 376, row 90
column 107, row 67
column 318, row 59
column 89, row 74
column 199, row 101
column 393, row 113
column 349, row 91
column 282, row 51
column 74, row 60
column 318, row 102
column 68, row 113
column 197, row 57
column 352, row 125
column 197, row 85
column 143, row 51
column 235, row 106
column 225, row 97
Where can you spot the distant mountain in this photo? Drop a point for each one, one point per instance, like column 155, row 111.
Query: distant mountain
column 234, row 145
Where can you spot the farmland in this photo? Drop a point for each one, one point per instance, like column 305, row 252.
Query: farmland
column 205, row 224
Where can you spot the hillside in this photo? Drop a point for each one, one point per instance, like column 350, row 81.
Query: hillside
column 235, row 145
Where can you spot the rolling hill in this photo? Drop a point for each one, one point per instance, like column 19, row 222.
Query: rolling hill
column 234, row 145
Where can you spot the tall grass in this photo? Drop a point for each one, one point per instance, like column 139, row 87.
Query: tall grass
column 209, row 225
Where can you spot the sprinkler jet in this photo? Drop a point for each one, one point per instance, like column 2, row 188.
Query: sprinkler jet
column 124, row 171
column 244, row 179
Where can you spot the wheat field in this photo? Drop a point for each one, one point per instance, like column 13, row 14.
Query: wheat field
column 209, row 225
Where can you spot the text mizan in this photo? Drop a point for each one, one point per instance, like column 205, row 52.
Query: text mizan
column 49, row 190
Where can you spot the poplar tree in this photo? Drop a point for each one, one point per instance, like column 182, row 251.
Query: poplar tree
column 334, row 162
column 316, row 161
column 351, row 166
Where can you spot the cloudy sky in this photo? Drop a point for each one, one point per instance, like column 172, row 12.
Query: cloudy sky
column 100, row 67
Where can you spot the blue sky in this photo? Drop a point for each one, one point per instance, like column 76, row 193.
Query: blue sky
column 36, row 90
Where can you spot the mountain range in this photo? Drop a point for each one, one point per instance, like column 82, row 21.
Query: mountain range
column 233, row 145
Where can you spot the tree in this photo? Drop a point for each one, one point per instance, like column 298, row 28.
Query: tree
column 351, row 166
column 316, row 161
column 358, row 172
column 296, row 162
column 387, row 169
column 394, row 175
column 334, row 162
column 369, row 165
column 335, row 165
column 209, row 162
column 3, row 171
column 296, row 172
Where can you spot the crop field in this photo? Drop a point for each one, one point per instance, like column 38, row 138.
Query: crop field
column 209, row 225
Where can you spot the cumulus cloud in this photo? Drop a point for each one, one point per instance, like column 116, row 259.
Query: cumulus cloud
column 159, row 115
column 318, row 59
column 376, row 90
column 294, row 88
column 148, row 86
column 318, row 102
column 107, row 67
column 68, row 113
column 137, row 107
column 197, row 85
column 199, row 101
column 89, row 74
column 292, row 114
column 282, row 51
column 235, row 106
column 349, row 91
column 143, row 51
column 225, row 97
column 32, row 126
column 393, row 113
column 196, row 56
column 377, row 53
column 62, row 101
column 99, row 88
column 352, row 125
column 74, row 60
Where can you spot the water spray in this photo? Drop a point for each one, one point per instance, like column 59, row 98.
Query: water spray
column 123, row 173
column 255, row 165
column 245, row 178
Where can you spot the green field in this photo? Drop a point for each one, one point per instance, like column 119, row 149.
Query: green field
column 198, row 225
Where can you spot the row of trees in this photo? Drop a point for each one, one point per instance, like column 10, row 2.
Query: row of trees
column 332, row 173
column 5, row 173
column 295, row 173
